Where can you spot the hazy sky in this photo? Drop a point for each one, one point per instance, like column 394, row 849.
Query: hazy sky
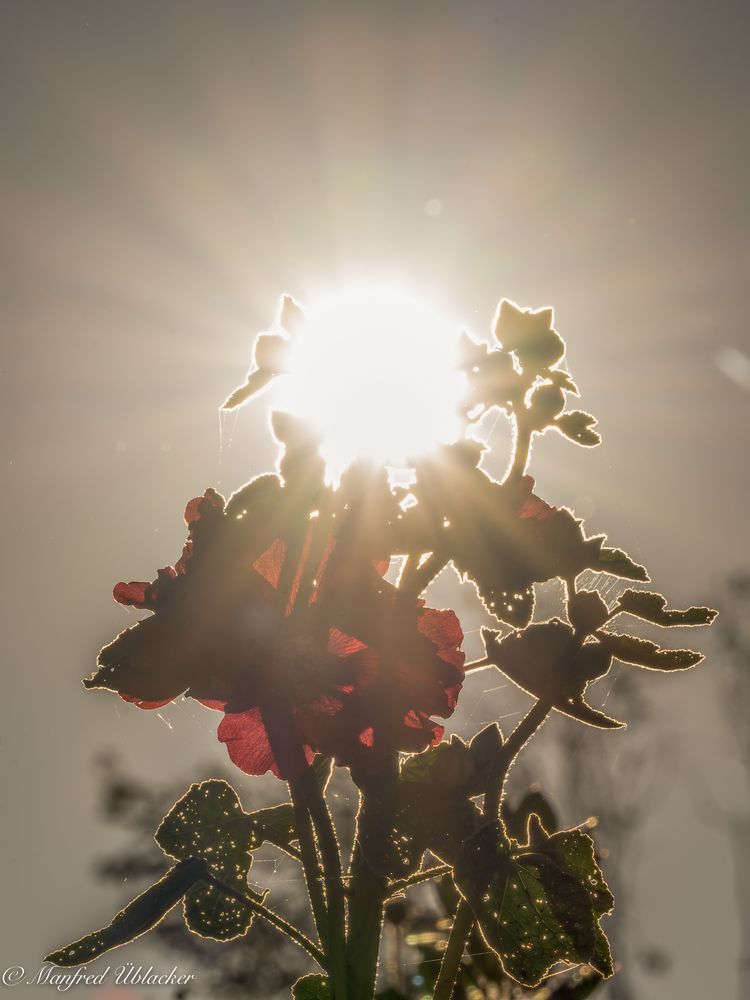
column 169, row 168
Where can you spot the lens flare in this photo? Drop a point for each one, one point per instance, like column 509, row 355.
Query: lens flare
column 373, row 371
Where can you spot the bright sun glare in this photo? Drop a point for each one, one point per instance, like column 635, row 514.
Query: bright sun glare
column 373, row 371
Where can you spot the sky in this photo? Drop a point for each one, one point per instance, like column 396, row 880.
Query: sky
column 168, row 169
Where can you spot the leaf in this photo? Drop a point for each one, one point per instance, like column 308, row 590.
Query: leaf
column 587, row 611
column 532, row 804
column 540, row 908
column 255, row 381
column 643, row 653
column 291, row 314
column 577, row 426
column 209, row 822
column 618, row 563
column 274, row 824
column 313, row 987
column 433, row 810
column 502, row 537
column 530, row 335
column 491, row 379
column 562, row 380
column 653, row 608
column 139, row 916
column 547, row 661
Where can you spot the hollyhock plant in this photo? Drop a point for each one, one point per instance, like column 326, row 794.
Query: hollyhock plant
column 297, row 610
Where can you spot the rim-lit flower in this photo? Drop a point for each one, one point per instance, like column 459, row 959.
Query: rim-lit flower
column 320, row 654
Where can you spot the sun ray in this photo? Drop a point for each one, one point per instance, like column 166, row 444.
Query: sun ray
column 374, row 372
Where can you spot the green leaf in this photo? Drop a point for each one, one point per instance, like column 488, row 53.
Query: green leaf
column 618, row 563
column 433, row 810
column 577, row 425
column 139, row 916
column 275, row 825
column 209, row 822
column 653, row 608
column 532, row 804
column 313, row 987
column 540, row 908
column 643, row 653
column 573, row 851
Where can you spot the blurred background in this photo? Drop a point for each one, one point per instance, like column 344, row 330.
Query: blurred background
column 167, row 171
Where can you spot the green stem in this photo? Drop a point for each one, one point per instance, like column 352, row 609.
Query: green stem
column 460, row 931
column 464, row 919
column 273, row 918
column 310, row 863
column 369, row 888
column 367, row 897
column 332, row 875
column 508, row 753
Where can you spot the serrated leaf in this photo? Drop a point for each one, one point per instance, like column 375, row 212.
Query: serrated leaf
column 618, row 563
column 501, row 536
column 209, row 822
column 537, row 909
column 574, row 851
column 577, row 426
column 139, row 916
column 312, row 987
column 644, row 653
column 652, row 607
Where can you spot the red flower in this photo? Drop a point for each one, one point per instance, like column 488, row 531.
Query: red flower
column 349, row 667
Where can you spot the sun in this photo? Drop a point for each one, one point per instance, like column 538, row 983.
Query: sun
column 373, row 370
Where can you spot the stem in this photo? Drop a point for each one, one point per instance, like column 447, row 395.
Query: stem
column 417, row 877
column 369, row 889
column 329, row 851
column 508, row 753
column 460, row 931
column 521, row 447
column 414, row 583
column 464, row 919
column 484, row 661
column 273, row 918
column 310, row 863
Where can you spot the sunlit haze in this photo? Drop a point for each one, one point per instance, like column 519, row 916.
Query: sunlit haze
column 168, row 170
column 373, row 371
